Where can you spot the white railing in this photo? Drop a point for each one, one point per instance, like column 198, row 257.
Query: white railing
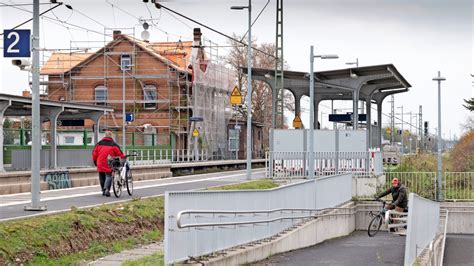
column 422, row 226
column 166, row 156
column 235, row 217
column 290, row 165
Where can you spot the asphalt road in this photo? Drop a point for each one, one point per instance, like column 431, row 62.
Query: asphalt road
column 12, row 206
column 354, row 250
column 459, row 250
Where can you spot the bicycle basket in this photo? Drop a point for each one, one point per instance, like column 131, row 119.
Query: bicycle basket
column 114, row 162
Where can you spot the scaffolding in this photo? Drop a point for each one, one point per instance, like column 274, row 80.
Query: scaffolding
column 191, row 81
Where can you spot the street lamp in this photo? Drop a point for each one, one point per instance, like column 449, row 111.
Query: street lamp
column 311, row 104
column 249, row 89
column 439, row 79
column 356, row 63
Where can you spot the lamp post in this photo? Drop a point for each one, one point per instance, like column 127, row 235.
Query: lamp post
column 356, row 63
column 249, row 89
column 311, row 104
column 440, row 184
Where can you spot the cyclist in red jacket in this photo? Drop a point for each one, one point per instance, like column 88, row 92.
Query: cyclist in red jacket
column 102, row 150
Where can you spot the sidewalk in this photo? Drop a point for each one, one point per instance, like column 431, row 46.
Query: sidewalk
column 133, row 254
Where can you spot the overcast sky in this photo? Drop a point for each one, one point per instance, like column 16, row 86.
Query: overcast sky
column 419, row 37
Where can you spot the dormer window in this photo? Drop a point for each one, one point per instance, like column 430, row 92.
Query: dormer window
column 125, row 62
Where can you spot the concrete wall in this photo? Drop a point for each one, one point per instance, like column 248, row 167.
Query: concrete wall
column 366, row 187
column 460, row 218
column 19, row 182
column 336, row 224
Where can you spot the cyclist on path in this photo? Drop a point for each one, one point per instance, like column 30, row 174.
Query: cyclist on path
column 102, row 150
column 399, row 196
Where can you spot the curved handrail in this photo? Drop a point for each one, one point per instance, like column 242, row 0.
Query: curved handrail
column 188, row 212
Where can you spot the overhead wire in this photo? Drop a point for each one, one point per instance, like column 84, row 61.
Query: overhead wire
column 212, row 29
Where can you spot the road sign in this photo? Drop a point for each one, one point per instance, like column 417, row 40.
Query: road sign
column 195, row 133
column 16, row 43
column 129, row 117
column 196, row 119
column 297, row 122
column 236, row 96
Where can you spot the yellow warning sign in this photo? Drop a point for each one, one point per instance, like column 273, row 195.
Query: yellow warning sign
column 195, row 132
column 297, row 122
column 236, row 96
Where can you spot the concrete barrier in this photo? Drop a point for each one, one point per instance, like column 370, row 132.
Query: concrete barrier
column 19, row 182
column 461, row 217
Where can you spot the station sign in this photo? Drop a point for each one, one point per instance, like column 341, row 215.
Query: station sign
column 196, row 119
column 345, row 118
column 16, row 43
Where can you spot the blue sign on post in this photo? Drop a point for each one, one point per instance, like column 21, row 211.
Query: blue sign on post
column 16, row 43
column 129, row 117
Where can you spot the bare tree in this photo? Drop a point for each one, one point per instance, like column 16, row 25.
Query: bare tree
column 261, row 92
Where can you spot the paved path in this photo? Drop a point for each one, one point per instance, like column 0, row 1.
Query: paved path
column 134, row 254
column 11, row 206
column 354, row 250
column 459, row 250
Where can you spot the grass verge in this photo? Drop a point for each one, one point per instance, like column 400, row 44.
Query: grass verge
column 72, row 237
column 257, row 184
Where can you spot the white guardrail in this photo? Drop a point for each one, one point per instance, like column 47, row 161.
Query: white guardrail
column 212, row 221
column 422, row 227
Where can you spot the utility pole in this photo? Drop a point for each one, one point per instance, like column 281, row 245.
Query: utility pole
column 420, row 128
column 440, row 163
column 392, row 118
column 35, row 117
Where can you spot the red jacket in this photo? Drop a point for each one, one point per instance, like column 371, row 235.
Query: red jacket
column 102, row 150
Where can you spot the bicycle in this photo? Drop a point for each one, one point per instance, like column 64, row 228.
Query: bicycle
column 121, row 175
column 377, row 220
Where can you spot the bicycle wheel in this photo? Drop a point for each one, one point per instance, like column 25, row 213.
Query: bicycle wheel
column 117, row 184
column 374, row 225
column 129, row 181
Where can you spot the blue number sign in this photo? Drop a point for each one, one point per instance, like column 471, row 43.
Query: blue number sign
column 16, row 43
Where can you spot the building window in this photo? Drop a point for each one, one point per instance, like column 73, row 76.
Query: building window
column 149, row 95
column 101, row 95
column 69, row 140
column 125, row 62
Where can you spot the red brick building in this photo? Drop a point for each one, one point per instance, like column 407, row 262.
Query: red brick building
column 157, row 79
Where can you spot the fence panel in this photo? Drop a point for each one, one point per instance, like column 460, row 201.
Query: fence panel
column 288, row 165
column 458, row 186
column 422, row 227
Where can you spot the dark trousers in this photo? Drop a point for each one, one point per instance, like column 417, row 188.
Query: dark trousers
column 105, row 180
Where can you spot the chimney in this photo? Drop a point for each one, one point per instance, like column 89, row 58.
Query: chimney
column 26, row 93
column 117, row 34
column 197, row 35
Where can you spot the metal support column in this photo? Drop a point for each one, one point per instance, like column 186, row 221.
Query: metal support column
column 379, row 124
column 53, row 150
column 35, row 117
column 3, row 107
column 355, row 110
column 279, row 69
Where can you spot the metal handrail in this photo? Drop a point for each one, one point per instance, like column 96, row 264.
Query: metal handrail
column 444, row 237
column 188, row 212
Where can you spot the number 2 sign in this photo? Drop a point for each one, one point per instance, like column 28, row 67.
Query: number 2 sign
column 16, row 43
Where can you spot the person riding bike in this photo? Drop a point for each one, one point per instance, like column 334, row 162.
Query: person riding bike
column 102, row 150
column 399, row 196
